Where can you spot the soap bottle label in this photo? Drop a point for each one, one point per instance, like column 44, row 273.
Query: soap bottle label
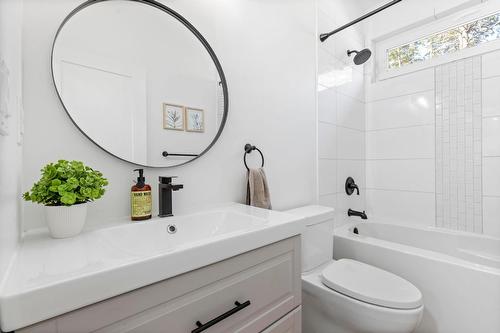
column 141, row 204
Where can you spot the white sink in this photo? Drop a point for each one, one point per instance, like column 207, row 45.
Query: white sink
column 71, row 273
column 153, row 237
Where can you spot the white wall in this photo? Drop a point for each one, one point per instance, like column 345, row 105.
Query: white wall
column 341, row 119
column 400, row 149
column 10, row 139
column 411, row 13
column 369, row 133
column 400, row 134
column 267, row 50
column 491, row 142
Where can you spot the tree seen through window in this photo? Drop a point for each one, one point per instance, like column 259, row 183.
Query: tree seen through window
column 465, row 36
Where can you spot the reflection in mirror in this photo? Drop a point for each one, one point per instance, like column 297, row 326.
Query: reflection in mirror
column 139, row 83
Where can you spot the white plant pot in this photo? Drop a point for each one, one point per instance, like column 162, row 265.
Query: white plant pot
column 66, row 221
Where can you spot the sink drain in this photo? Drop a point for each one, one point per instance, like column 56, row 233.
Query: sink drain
column 171, row 229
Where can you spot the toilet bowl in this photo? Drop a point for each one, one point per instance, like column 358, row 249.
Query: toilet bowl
column 365, row 299
column 347, row 296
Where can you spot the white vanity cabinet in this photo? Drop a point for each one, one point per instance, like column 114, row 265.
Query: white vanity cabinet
column 268, row 278
column 291, row 323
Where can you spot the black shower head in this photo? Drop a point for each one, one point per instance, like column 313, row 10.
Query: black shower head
column 361, row 56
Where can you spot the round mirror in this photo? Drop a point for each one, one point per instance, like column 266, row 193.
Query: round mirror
column 139, row 81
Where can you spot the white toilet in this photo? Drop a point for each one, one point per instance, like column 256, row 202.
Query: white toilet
column 347, row 296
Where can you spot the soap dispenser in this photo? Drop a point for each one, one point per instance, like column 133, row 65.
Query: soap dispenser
column 141, row 203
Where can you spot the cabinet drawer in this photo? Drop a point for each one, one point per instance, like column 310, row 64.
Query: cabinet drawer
column 268, row 277
column 291, row 323
column 268, row 287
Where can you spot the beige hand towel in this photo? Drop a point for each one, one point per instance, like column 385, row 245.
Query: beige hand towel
column 257, row 189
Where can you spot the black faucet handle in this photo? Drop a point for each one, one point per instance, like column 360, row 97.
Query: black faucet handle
column 356, row 188
column 177, row 187
column 350, row 186
column 166, row 179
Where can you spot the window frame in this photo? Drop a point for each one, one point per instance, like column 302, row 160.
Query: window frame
column 427, row 29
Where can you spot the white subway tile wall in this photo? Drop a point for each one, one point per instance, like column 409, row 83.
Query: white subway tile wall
column 491, row 213
column 327, row 141
column 401, row 85
column 341, row 117
column 436, row 130
column 491, row 173
column 327, row 173
column 490, row 65
column 400, row 149
column 414, row 142
column 424, row 147
column 350, row 143
column 491, row 136
column 416, row 175
column 491, row 143
column 401, row 207
column 459, row 145
column 401, row 111
column 491, row 96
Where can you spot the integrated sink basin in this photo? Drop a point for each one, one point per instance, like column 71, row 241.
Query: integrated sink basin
column 171, row 234
column 72, row 273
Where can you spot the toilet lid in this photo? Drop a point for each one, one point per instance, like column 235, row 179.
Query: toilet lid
column 371, row 285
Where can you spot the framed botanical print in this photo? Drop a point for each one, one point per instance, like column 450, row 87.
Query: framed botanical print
column 173, row 117
column 195, row 120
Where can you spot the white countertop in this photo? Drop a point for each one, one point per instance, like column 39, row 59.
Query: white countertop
column 50, row 277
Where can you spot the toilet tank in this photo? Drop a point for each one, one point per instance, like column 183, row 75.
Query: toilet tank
column 317, row 239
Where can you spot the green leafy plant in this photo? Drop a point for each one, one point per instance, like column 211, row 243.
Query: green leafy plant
column 67, row 183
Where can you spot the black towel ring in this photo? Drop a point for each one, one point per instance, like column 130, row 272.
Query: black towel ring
column 248, row 149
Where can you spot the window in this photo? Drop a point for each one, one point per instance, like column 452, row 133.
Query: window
column 461, row 37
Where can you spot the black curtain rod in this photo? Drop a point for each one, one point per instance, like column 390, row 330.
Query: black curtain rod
column 325, row 36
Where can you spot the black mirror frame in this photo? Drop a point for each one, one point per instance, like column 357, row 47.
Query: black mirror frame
column 193, row 30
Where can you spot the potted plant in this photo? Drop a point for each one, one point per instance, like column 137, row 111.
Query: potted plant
column 65, row 189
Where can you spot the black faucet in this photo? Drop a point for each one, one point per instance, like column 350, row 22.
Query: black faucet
column 351, row 212
column 350, row 186
column 165, row 188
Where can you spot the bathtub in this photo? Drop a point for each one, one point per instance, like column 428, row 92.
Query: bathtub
column 458, row 273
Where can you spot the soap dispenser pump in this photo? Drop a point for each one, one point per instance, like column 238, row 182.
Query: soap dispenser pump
column 141, row 203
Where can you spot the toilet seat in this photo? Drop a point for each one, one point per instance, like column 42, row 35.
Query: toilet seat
column 371, row 285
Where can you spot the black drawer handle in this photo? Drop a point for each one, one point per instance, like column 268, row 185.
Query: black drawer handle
column 202, row 327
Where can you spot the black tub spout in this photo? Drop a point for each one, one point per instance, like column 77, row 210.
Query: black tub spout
column 362, row 214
